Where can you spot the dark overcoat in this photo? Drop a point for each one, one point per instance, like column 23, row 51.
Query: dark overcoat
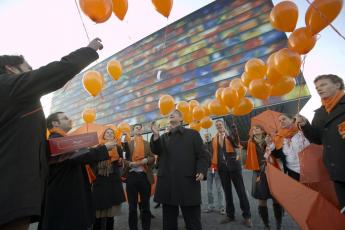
column 23, row 152
column 68, row 202
column 324, row 130
column 181, row 156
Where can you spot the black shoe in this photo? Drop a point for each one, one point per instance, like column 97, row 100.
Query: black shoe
column 227, row 220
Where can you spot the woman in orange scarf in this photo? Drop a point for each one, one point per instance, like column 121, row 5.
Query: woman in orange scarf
column 108, row 193
column 287, row 144
column 255, row 161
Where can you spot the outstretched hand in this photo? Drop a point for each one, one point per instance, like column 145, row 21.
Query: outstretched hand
column 96, row 44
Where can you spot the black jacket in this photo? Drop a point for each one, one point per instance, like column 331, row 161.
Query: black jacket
column 68, row 200
column 181, row 156
column 23, row 151
column 324, row 130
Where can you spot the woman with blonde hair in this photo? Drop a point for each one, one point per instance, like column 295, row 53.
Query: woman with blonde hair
column 108, row 193
column 255, row 161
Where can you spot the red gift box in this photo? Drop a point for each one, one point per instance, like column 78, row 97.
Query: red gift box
column 61, row 145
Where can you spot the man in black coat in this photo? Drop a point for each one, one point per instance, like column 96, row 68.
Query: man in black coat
column 68, row 200
column 328, row 129
column 23, row 130
column 183, row 163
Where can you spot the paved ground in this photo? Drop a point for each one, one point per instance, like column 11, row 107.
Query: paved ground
column 211, row 221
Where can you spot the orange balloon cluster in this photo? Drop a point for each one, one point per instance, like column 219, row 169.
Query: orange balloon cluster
column 166, row 104
column 114, row 69
column 198, row 113
column 97, row 10
column 93, row 82
column 89, row 115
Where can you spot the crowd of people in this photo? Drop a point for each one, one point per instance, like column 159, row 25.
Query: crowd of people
column 84, row 190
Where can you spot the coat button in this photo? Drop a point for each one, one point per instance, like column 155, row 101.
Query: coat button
column 328, row 146
column 326, row 129
column 332, row 164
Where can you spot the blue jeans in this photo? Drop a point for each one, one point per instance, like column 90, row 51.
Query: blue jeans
column 210, row 178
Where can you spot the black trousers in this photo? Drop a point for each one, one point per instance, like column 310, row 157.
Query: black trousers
column 226, row 177
column 340, row 191
column 137, row 184
column 191, row 216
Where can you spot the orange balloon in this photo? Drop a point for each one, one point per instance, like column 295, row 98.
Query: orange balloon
column 216, row 108
column 270, row 59
column 205, row 107
column 120, row 8
column 321, row 13
column 118, row 134
column 287, row 62
column 192, row 104
column 93, row 82
column 114, row 69
column 283, row 86
column 283, row 16
column 206, row 123
column 259, row 88
column 89, row 115
column 244, row 107
column 124, row 127
column 198, row 113
column 218, row 94
column 301, row 41
column 187, row 117
column 196, row 126
column 237, row 84
column 97, row 10
column 255, row 68
column 183, row 107
column 166, row 104
column 245, row 79
column 163, row 6
column 230, row 97
column 273, row 76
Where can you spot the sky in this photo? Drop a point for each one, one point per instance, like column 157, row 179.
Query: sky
column 46, row 30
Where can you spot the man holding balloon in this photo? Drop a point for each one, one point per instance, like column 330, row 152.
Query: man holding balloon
column 23, row 130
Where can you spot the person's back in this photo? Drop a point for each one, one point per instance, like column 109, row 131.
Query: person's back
column 23, row 131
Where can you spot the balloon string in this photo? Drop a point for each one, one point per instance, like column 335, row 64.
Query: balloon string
column 82, row 21
column 299, row 81
column 324, row 17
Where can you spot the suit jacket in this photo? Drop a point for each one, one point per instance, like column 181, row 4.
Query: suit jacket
column 129, row 148
column 324, row 130
column 23, row 149
column 181, row 156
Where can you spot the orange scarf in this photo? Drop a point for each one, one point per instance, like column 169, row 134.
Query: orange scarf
column 331, row 102
column 58, row 131
column 113, row 154
column 139, row 152
column 91, row 176
column 228, row 149
column 252, row 162
column 284, row 133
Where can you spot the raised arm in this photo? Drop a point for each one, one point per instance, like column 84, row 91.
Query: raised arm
column 52, row 76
